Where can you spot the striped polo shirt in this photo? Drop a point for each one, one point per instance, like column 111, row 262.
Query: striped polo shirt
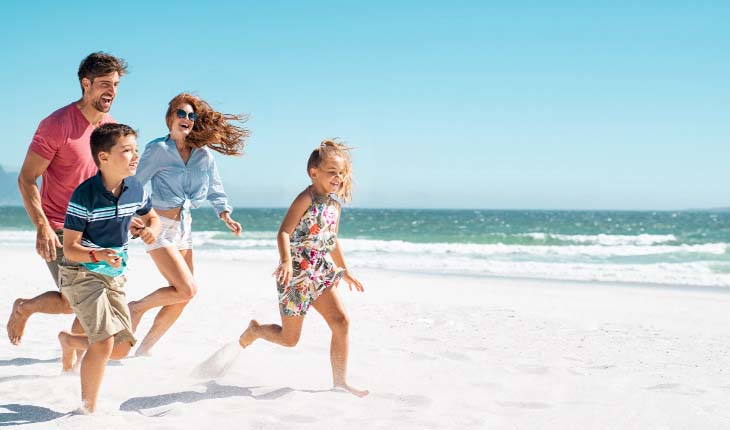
column 104, row 219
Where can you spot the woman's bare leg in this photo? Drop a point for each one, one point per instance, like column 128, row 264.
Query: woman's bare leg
column 329, row 305
column 177, row 268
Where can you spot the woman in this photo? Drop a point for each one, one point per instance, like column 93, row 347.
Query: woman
column 183, row 174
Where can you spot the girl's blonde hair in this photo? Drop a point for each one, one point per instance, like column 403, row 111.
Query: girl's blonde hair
column 212, row 129
column 331, row 148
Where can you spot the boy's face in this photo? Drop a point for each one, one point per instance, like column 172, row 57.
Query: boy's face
column 121, row 161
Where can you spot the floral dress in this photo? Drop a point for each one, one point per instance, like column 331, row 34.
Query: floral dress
column 311, row 241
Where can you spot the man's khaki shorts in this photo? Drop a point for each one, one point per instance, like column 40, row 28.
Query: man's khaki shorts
column 98, row 301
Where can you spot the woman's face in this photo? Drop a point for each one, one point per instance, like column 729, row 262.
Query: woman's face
column 183, row 119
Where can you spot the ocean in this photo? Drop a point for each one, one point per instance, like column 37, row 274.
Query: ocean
column 637, row 247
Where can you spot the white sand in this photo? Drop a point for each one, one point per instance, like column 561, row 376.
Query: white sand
column 435, row 352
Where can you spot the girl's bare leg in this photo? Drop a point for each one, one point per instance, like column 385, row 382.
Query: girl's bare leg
column 286, row 334
column 177, row 268
column 329, row 305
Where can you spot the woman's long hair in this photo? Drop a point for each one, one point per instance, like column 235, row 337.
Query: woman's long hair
column 212, row 129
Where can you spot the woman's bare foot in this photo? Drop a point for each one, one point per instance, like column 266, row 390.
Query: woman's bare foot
column 250, row 335
column 135, row 314
column 68, row 353
column 142, row 352
column 349, row 389
column 16, row 322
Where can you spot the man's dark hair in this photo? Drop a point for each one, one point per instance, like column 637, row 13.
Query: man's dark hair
column 99, row 64
column 106, row 136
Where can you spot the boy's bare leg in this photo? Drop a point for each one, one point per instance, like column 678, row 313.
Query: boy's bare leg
column 73, row 343
column 92, row 371
column 286, row 334
column 76, row 328
column 165, row 318
column 50, row 302
column 70, row 343
column 330, row 307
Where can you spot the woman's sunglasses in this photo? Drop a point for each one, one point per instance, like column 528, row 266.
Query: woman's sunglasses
column 192, row 116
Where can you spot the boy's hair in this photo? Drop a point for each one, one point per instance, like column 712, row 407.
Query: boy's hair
column 99, row 64
column 106, row 136
column 330, row 148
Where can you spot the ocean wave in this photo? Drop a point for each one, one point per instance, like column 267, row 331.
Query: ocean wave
column 651, row 260
column 604, row 239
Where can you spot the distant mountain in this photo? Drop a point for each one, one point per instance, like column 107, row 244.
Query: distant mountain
column 9, row 194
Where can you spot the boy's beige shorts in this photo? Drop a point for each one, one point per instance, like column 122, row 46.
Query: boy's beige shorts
column 98, row 301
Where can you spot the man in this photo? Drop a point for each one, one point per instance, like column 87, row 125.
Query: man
column 60, row 153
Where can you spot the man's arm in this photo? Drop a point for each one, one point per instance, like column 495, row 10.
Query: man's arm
column 46, row 240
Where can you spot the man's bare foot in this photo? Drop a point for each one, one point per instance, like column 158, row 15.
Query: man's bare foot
column 135, row 313
column 250, row 335
column 68, row 353
column 16, row 322
column 344, row 388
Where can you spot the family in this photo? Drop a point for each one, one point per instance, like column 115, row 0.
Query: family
column 92, row 199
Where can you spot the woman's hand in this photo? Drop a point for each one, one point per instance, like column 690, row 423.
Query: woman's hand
column 352, row 281
column 283, row 273
column 232, row 225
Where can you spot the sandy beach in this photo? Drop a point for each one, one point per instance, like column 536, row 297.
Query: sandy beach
column 435, row 352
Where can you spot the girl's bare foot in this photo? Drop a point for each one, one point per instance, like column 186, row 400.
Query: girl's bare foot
column 349, row 389
column 68, row 353
column 249, row 336
column 16, row 322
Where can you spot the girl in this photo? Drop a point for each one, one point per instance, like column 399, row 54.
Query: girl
column 183, row 173
column 305, row 277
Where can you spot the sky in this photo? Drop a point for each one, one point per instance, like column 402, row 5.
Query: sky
column 484, row 104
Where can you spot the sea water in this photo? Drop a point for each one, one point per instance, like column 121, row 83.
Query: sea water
column 643, row 247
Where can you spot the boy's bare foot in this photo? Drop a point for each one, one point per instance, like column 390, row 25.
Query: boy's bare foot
column 16, row 322
column 349, row 389
column 135, row 314
column 249, row 336
column 68, row 353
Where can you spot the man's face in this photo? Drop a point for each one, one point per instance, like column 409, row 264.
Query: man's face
column 101, row 91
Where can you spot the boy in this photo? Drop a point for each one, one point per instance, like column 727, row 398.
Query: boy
column 91, row 276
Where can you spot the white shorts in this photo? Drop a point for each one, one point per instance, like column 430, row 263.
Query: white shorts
column 173, row 233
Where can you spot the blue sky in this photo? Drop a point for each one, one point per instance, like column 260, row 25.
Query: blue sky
column 562, row 105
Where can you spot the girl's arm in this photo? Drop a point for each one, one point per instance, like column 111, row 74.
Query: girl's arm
column 339, row 259
column 298, row 208
column 74, row 251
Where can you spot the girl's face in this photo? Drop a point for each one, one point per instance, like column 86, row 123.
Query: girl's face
column 183, row 119
column 329, row 176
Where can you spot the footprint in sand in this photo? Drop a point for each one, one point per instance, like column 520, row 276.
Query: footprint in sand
column 412, row 400
column 686, row 390
column 530, row 369
column 588, row 370
column 525, row 405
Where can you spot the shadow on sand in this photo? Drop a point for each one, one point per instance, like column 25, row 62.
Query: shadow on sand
column 212, row 391
column 27, row 361
column 26, row 414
